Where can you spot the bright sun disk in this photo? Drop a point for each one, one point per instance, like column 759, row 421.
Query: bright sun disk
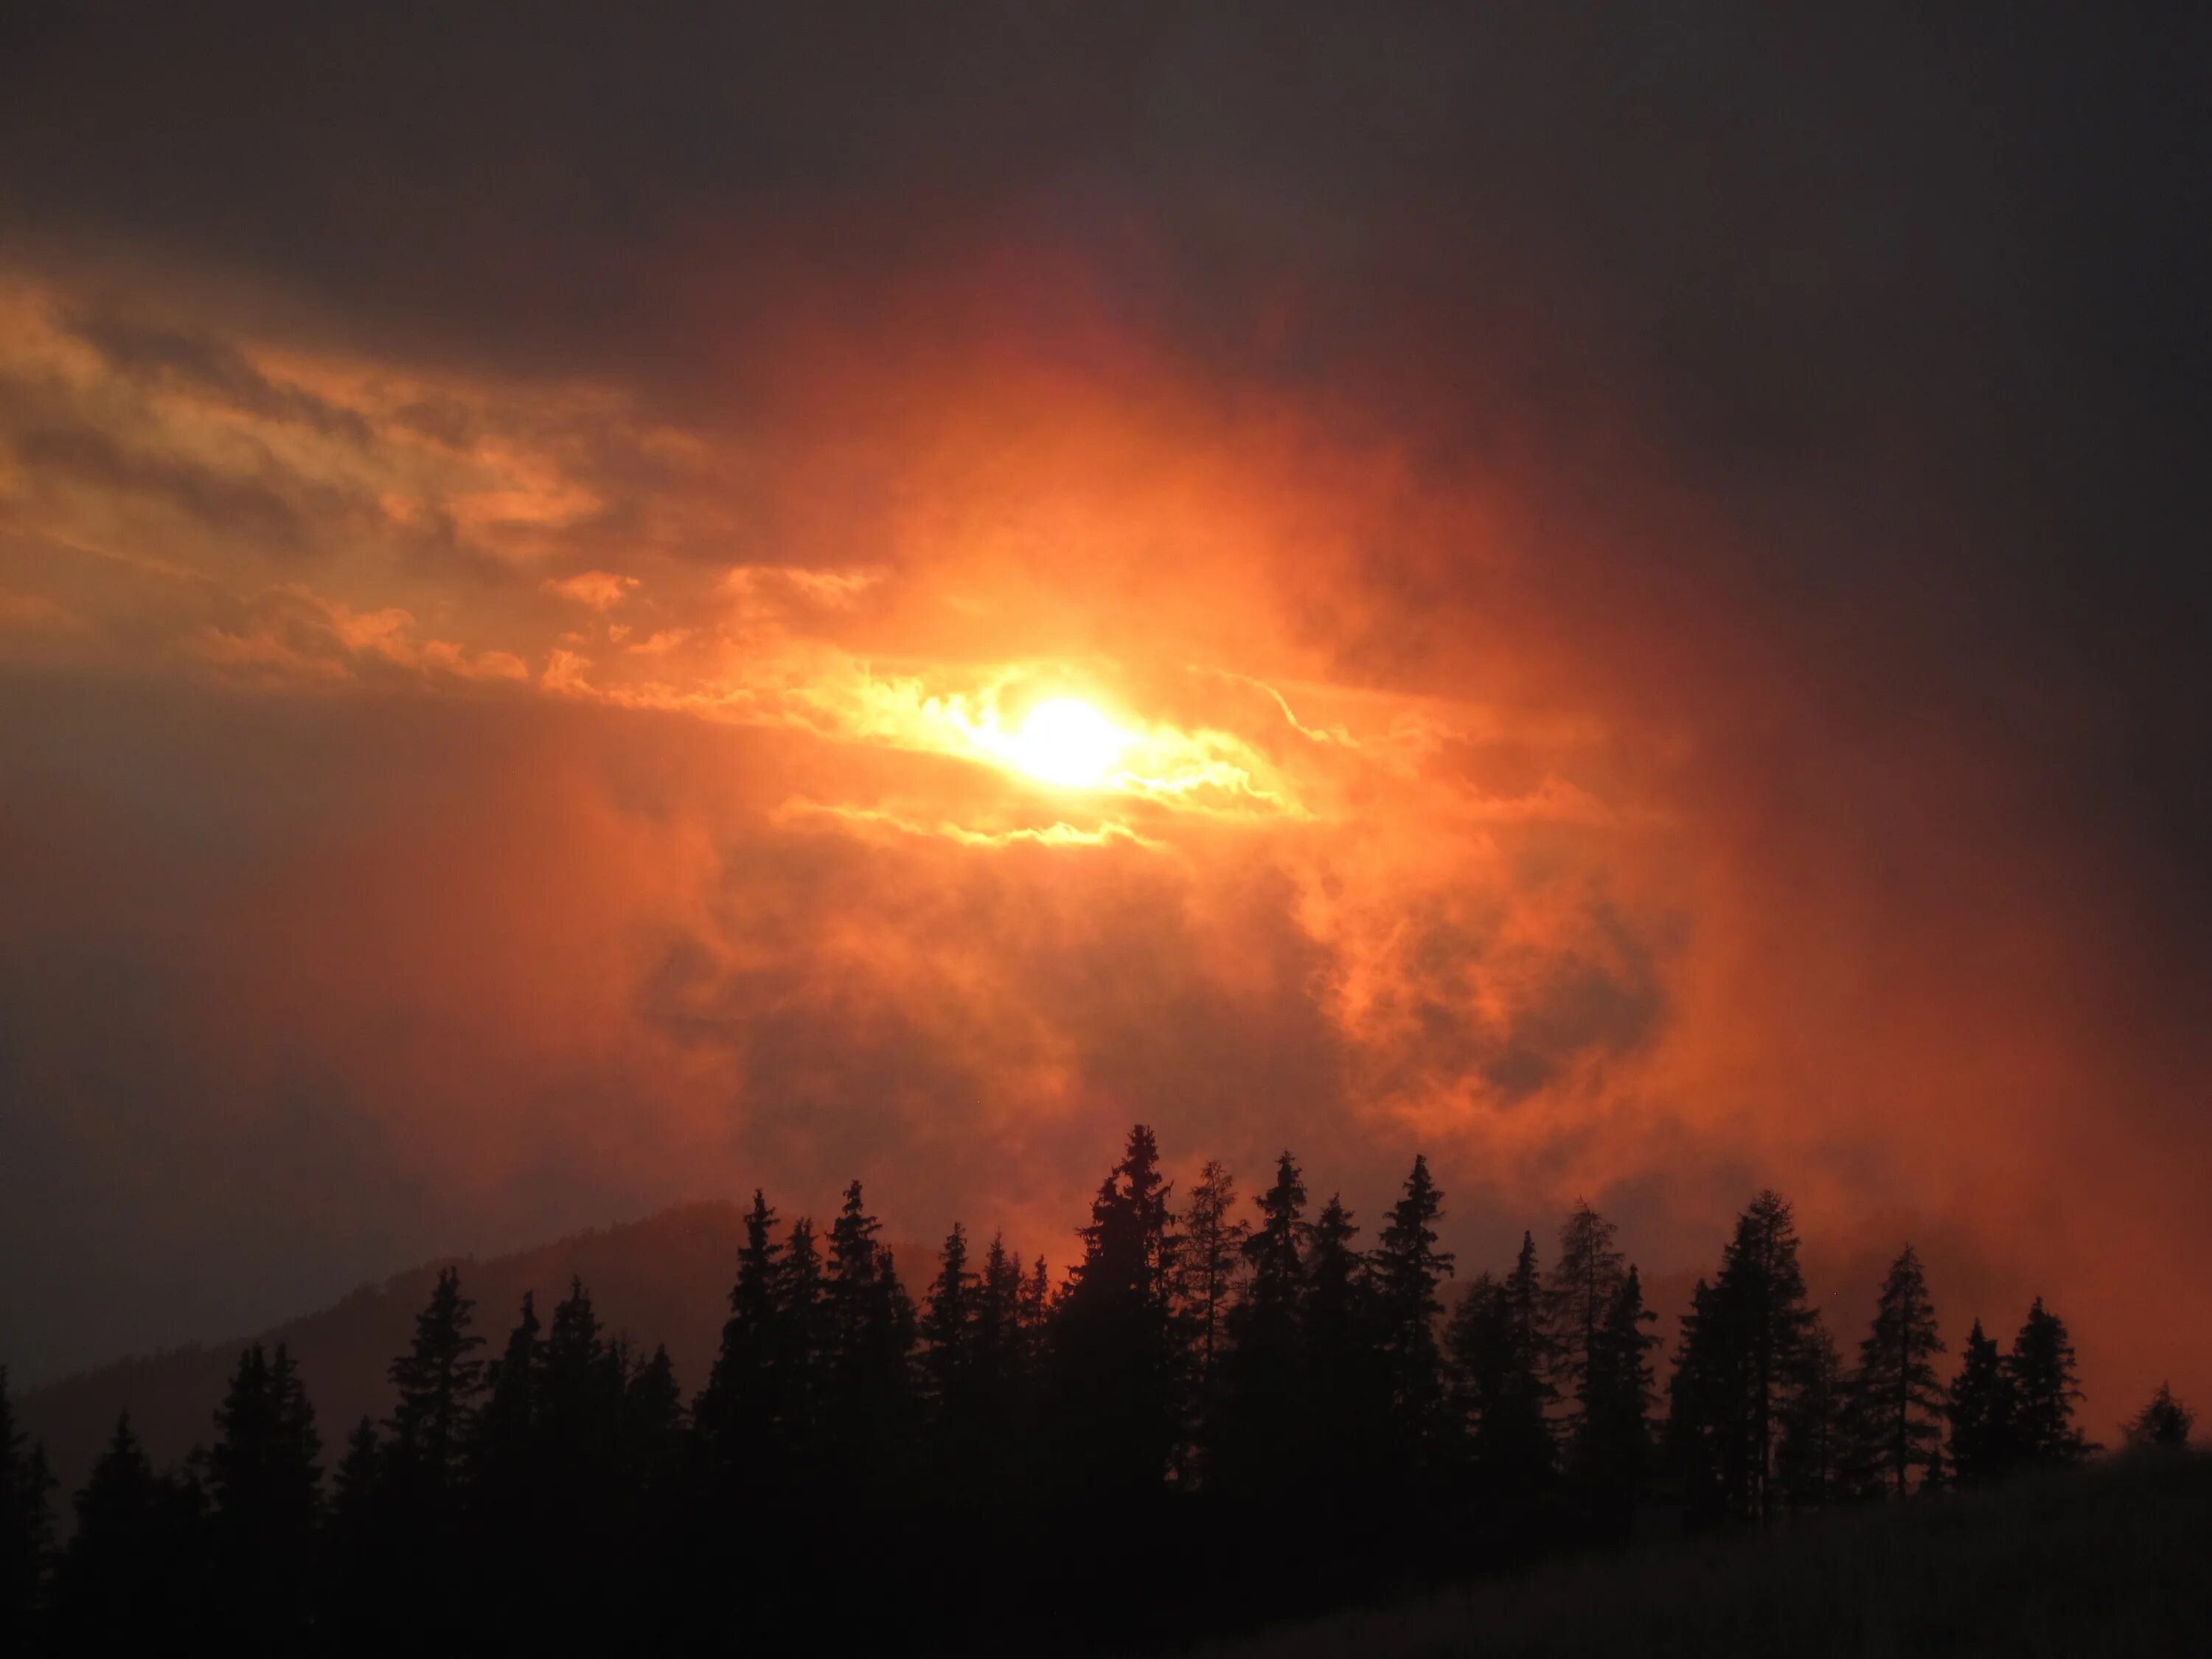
column 1066, row 741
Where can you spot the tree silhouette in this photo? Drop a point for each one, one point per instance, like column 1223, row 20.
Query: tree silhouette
column 736, row 1414
column 2164, row 1421
column 2042, row 1371
column 1896, row 1390
column 1116, row 1376
column 1407, row 1269
column 1742, row 1343
column 1212, row 1252
column 1256, row 1429
column 1983, row 1443
column 26, row 1522
column 437, row 1383
column 1578, row 1298
column 1610, row 1450
column 264, row 1481
column 1820, row 1462
column 136, row 1571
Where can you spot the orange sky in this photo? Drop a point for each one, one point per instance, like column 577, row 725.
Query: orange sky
column 474, row 764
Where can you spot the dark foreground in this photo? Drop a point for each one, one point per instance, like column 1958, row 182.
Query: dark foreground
column 2110, row 1562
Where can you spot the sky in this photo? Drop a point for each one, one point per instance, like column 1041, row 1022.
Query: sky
column 1620, row 600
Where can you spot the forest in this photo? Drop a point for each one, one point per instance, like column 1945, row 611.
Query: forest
column 1224, row 1414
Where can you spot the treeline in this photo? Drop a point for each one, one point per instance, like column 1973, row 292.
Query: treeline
column 1220, row 1413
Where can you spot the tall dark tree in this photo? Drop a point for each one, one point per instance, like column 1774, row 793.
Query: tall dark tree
column 1609, row 1452
column 136, row 1571
column 1899, row 1400
column 1212, row 1254
column 1408, row 1268
column 1980, row 1410
column 653, row 1421
column 2164, row 1421
column 1821, row 1460
column 1256, row 1432
column 1340, row 1361
column 264, row 1480
column 948, row 1329
column 504, row 1443
column 736, row 1414
column 1742, row 1343
column 1116, row 1357
column 437, row 1381
column 1578, row 1296
column 1529, row 1311
column 26, row 1522
column 2042, row 1371
column 870, row 1325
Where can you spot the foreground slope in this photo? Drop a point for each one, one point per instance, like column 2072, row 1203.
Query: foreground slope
column 2112, row 1560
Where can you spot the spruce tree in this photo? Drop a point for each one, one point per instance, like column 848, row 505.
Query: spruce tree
column 136, row 1571
column 948, row 1330
column 1347, row 1389
column 1897, row 1393
column 2042, row 1371
column 503, row 1442
column 736, row 1414
column 1982, row 1444
column 1254, row 1440
column 1822, row 1458
column 2164, row 1422
column 1742, row 1344
column 1212, row 1252
column 653, row 1421
column 1579, row 1296
column 437, row 1381
column 1116, row 1371
column 1407, row 1269
column 265, row 1480
column 869, row 1324
column 1610, row 1449
column 26, row 1524
column 1528, row 1310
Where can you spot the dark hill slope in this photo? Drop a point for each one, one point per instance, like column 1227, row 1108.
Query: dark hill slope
column 665, row 1279
column 2114, row 1561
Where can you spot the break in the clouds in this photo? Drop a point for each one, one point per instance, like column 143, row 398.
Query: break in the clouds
column 1633, row 587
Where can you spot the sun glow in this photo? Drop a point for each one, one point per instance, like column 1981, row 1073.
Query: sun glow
column 1066, row 741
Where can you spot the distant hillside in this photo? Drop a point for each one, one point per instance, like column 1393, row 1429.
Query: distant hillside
column 2108, row 1560
column 665, row 1279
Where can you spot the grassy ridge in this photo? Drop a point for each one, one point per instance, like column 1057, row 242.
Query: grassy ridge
column 2110, row 1562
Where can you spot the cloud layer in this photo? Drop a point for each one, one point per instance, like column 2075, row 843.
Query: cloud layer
column 1643, row 573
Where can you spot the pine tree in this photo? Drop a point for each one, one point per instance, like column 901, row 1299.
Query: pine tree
column 503, row 1443
column 264, row 1479
column 1035, row 1305
column 949, row 1329
column 1212, row 1251
column 26, row 1524
column 1980, row 1409
column 136, row 1571
column 437, row 1381
column 1346, row 1413
column 1899, row 1399
column 1115, row 1360
column 1255, row 1435
column 2041, row 1369
column 1408, row 1268
column 870, row 1327
column 653, row 1420
column 1534, row 1352
column 736, row 1412
column 1743, row 1341
column 357, row 1484
column 1610, row 1449
column 1579, row 1297
column 1817, row 1464
column 2164, row 1422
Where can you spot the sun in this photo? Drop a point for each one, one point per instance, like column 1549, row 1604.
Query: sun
column 1066, row 741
